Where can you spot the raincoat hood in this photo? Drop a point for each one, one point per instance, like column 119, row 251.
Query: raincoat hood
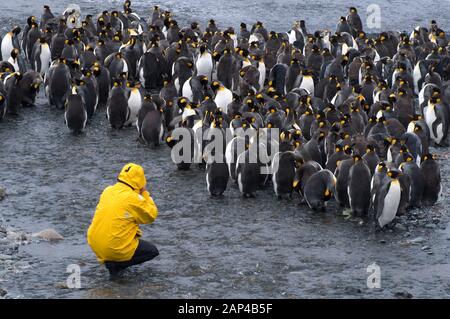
column 133, row 176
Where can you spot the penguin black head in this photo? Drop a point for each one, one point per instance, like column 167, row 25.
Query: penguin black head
column 215, row 85
column 356, row 158
column 381, row 166
column 343, row 19
column 393, row 173
column 16, row 30
column 370, row 148
column 15, row 53
column 353, row 10
column 392, row 98
column 182, row 102
column 243, row 26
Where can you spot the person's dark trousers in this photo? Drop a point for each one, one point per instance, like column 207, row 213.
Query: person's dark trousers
column 145, row 251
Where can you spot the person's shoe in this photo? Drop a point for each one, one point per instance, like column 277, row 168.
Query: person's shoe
column 114, row 270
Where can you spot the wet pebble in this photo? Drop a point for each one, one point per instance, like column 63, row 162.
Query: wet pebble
column 426, row 248
column 430, row 226
column 48, row 234
column 3, row 292
column 403, row 295
column 2, row 193
column 417, row 240
column 61, row 285
column 382, row 241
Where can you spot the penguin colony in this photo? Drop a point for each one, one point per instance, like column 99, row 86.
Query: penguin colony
column 356, row 113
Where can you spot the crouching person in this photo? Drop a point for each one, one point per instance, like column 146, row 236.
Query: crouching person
column 114, row 234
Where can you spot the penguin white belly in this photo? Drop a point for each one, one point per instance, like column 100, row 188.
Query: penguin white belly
column 134, row 105
column 187, row 90
column 262, row 74
column 253, row 38
column 376, row 96
column 14, row 63
column 7, row 46
column 422, row 94
column 275, row 166
column 241, row 186
column 125, row 66
column 204, row 65
column 417, row 76
column 411, row 127
column 430, row 117
column 161, row 132
column 176, row 83
column 207, row 181
column 292, row 36
column 186, row 113
column 229, row 155
column 223, row 98
column 308, row 84
column 391, row 202
column 389, row 155
column 46, row 58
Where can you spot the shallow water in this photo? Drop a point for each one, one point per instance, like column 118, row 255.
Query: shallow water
column 226, row 247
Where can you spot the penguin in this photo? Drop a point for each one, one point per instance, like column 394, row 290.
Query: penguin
column 182, row 70
column 377, row 180
column 17, row 61
column 319, row 189
column 9, row 42
column 432, row 179
column 342, row 172
column 195, row 87
column 204, row 62
column 223, row 97
column 307, row 81
column 283, row 173
column 354, row 21
column 371, row 157
column 75, row 115
column 152, row 127
column 216, row 177
column 46, row 16
column 388, row 199
column 30, row 21
column 410, row 169
column 131, row 52
column 343, row 26
column 338, row 155
column 135, row 99
column 436, row 117
column 29, row 87
column 32, row 37
column 151, row 71
column 13, row 92
column 359, row 179
column 226, row 69
column 117, row 64
column 103, row 83
column 234, row 148
column 247, row 173
column 117, row 110
column 303, row 173
column 58, row 83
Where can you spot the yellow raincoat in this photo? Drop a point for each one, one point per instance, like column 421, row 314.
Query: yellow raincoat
column 114, row 231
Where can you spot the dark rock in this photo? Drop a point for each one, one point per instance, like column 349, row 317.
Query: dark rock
column 3, row 292
column 2, row 193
